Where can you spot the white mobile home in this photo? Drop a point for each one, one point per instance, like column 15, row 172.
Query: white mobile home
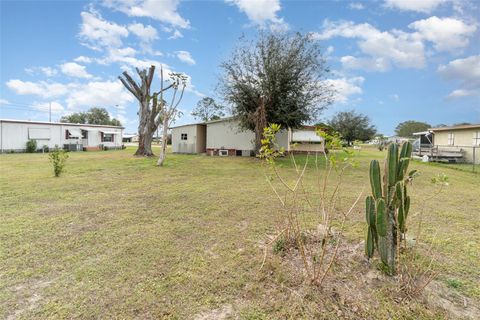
column 14, row 135
column 225, row 137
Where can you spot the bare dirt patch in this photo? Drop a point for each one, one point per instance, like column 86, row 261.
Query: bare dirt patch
column 457, row 305
column 224, row 312
column 28, row 297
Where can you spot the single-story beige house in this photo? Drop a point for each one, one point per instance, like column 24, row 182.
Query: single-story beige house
column 225, row 137
column 454, row 143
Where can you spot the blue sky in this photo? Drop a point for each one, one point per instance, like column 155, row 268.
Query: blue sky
column 392, row 60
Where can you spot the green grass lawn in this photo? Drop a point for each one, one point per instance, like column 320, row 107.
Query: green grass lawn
column 117, row 237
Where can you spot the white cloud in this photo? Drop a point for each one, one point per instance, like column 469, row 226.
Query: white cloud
column 83, row 59
column 55, row 106
column 395, row 97
column 425, row 6
column 98, row 93
column 345, row 87
column 42, row 89
column 73, row 69
column 47, row 71
column 4, row 101
column 165, row 11
column 186, row 57
column 460, row 93
column 466, row 71
column 262, row 13
column 382, row 48
column 145, row 33
column 96, row 33
column 447, row 34
column 356, row 6
column 176, row 35
column 371, row 64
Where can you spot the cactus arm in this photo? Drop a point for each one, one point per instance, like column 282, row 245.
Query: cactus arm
column 381, row 222
column 370, row 210
column 392, row 163
column 375, row 179
column 369, row 244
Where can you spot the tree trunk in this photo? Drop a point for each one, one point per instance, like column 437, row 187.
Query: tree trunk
column 163, row 150
column 260, row 124
column 145, row 132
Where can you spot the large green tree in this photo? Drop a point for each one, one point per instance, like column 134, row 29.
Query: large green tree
column 208, row 109
column 94, row 115
column 277, row 78
column 407, row 128
column 353, row 126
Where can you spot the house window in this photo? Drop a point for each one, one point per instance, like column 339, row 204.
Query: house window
column 451, row 139
column 68, row 135
column 183, row 136
column 107, row 137
column 84, row 134
column 476, row 139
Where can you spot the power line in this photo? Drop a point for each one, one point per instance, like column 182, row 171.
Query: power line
column 39, row 109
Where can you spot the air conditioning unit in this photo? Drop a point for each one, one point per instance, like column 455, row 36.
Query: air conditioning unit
column 247, row 153
column 223, row 153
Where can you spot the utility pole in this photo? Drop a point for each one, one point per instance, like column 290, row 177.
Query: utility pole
column 118, row 108
column 50, row 112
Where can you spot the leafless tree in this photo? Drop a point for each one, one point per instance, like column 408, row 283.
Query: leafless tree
column 169, row 112
column 153, row 109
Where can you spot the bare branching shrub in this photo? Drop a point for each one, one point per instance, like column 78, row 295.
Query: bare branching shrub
column 312, row 225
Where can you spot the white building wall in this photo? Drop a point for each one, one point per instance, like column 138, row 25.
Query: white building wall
column 229, row 135
column 184, row 146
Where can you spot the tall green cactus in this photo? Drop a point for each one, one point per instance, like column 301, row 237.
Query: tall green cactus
column 387, row 208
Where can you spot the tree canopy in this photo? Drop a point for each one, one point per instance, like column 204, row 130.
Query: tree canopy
column 353, row 126
column 94, row 115
column 407, row 128
column 208, row 109
column 282, row 74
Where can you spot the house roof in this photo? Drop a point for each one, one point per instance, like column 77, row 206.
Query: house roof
column 461, row 127
column 61, row 123
column 204, row 122
column 305, row 127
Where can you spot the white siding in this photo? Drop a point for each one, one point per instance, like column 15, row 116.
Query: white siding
column 228, row 135
column 184, row 146
column 14, row 135
column 305, row 136
column 282, row 139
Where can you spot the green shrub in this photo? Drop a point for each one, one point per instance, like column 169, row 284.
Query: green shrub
column 31, row 146
column 58, row 158
column 454, row 283
column 280, row 246
column 45, row 148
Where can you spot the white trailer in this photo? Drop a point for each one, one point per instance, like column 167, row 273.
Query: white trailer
column 14, row 135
